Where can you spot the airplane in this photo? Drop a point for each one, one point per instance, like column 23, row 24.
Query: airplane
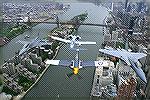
column 73, row 40
column 138, row 70
column 76, row 64
column 28, row 45
column 123, row 54
column 130, row 58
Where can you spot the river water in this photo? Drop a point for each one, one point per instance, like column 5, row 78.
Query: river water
column 54, row 82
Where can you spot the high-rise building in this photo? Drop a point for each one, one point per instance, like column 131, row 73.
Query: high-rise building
column 126, row 90
column 126, row 4
column 9, row 68
column 147, row 68
column 31, row 66
column 35, row 59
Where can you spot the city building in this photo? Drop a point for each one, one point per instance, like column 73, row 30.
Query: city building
column 4, row 96
column 9, row 68
column 24, row 72
column 35, row 59
column 147, row 70
column 29, row 65
column 127, row 89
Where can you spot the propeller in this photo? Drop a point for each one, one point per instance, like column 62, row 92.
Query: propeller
column 76, row 49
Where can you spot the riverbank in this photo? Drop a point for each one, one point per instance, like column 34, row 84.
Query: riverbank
column 57, row 45
column 13, row 29
column 20, row 96
column 55, row 50
column 9, row 33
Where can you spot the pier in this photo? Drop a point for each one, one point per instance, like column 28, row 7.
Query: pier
column 102, row 77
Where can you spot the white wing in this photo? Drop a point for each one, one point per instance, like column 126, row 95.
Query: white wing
column 60, row 39
column 64, row 63
column 117, row 53
column 136, row 56
column 94, row 63
column 123, row 54
column 23, row 42
column 111, row 52
column 84, row 42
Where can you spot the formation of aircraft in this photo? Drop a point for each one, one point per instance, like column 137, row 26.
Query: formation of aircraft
column 73, row 40
column 28, row 45
column 76, row 64
column 130, row 58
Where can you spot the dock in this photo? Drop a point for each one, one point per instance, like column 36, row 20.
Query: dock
column 100, row 78
column 104, row 78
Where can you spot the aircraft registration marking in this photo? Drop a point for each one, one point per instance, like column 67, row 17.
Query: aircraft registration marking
column 100, row 63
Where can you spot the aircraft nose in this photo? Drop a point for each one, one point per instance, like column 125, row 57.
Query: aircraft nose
column 142, row 75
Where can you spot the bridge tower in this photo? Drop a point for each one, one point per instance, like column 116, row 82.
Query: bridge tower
column 57, row 20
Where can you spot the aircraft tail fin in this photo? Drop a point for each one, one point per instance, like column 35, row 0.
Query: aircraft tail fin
column 22, row 42
column 80, row 49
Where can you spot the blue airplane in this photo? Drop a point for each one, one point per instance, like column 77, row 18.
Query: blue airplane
column 123, row 54
column 28, row 45
column 76, row 64
column 73, row 40
column 130, row 58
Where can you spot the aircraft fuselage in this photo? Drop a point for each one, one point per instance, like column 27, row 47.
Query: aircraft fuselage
column 76, row 64
column 73, row 42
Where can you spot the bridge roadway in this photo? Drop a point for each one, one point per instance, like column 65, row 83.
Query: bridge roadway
column 73, row 23
column 91, row 24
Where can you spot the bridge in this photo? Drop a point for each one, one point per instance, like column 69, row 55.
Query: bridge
column 89, row 24
column 75, row 23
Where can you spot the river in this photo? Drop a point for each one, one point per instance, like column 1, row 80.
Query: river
column 54, row 82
